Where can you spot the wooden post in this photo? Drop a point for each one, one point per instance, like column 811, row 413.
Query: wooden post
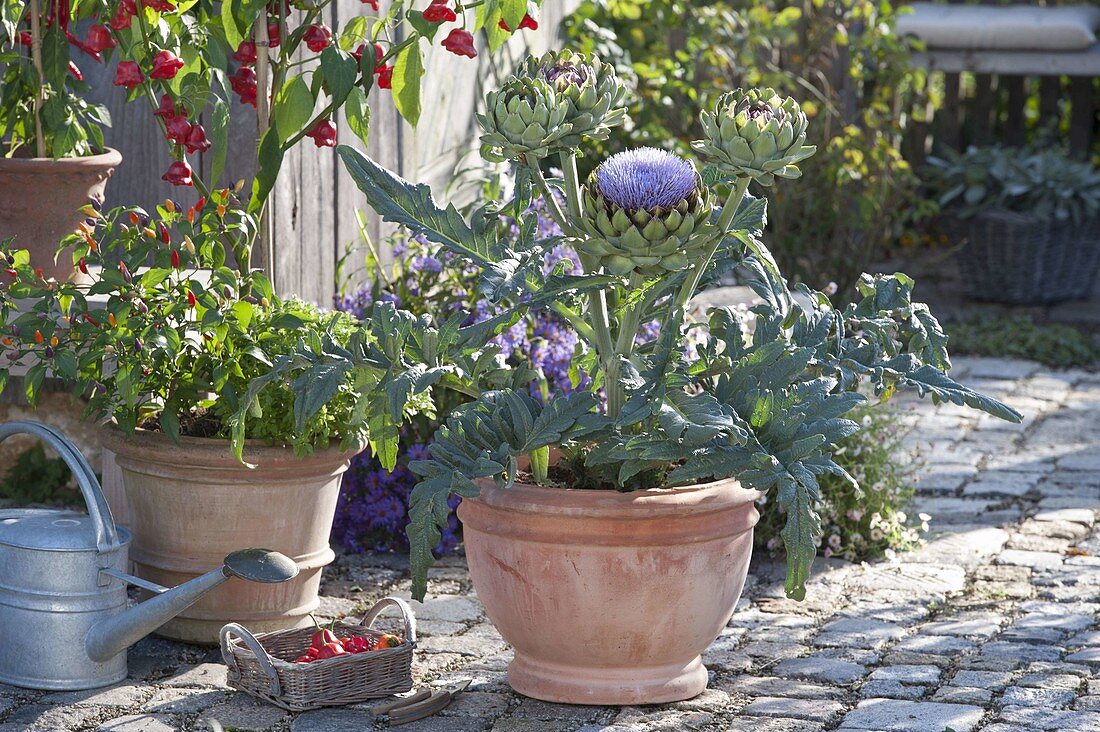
column 1082, row 114
column 1015, row 124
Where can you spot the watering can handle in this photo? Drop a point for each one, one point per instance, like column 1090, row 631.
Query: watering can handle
column 106, row 536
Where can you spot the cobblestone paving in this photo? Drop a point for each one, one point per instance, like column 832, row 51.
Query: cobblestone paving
column 995, row 626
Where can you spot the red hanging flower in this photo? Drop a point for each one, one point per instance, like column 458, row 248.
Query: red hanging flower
column 317, row 37
column 128, row 74
column 161, row 6
column 125, row 15
column 274, row 34
column 100, row 39
column 385, row 76
column 528, row 22
column 167, row 108
column 438, row 12
column 177, row 129
column 245, row 53
column 323, row 133
column 76, row 72
column 196, row 140
column 25, row 38
column 243, row 82
column 178, row 174
column 165, row 65
column 460, row 43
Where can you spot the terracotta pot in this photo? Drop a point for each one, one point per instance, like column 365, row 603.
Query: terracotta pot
column 192, row 503
column 608, row 597
column 40, row 198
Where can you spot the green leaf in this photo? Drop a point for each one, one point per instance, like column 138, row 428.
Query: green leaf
column 424, row 28
column 929, row 380
column 55, row 57
column 357, row 114
column 270, row 158
column 293, row 107
column 407, row 70
column 233, row 36
column 340, row 71
column 219, row 133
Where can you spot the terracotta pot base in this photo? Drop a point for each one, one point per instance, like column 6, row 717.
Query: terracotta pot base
column 608, row 597
column 607, row 686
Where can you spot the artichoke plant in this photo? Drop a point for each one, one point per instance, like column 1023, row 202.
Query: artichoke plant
column 644, row 210
column 755, row 134
column 551, row 104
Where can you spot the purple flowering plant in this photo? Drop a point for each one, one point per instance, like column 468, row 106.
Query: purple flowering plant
column 762, row 398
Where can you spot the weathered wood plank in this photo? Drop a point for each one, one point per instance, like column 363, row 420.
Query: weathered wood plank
column 980, row 111
column 947, row 116
column 1030, row 63
column 1082, row 120
column 1015, row 130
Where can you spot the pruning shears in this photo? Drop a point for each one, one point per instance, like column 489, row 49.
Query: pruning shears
column 423, row 703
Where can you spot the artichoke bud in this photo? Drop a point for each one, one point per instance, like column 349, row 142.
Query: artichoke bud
column 645, row 211
column 755, row 134
column 560, row 100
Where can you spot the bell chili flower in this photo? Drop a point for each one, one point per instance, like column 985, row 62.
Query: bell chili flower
column 165, row 65
column 245, row 53
column 317, row 37
column 243, row 82
column 274, row 34
column 385, row 76
column 177, row 129
column 128, row 74
column 178, row 174
column 460, row 43
column 161, row 6
column 438, row 12
column 124, row 15
column 100, row 39
column 196, row 139
column 323, row 133
column 167, row 108
column 527, row 22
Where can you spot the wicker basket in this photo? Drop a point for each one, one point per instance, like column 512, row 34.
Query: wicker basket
column 262, row 665
column 1018, row 259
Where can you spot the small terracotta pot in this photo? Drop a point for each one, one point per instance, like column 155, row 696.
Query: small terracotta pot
column 40, row 200
column 608, row 597
column 192, row 503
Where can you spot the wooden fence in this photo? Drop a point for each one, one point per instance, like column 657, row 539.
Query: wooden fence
column 314, row 203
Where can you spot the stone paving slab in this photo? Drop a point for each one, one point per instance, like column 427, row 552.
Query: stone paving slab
column 994, row 627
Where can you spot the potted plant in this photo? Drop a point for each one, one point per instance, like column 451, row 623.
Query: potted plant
column 1027, row 223
column 53, row 159
column 183, row 343
column 608, row 530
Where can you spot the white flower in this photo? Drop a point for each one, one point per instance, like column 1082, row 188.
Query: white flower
column 876, row 534
column 890, row 554
column 855, row 514
column 924, row 517
column 834, row 541
column 876, row 518
column 901, row 517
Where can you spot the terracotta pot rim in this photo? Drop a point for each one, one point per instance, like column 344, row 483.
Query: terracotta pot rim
column 720, row 495
column 211, row 451
column 109, row 158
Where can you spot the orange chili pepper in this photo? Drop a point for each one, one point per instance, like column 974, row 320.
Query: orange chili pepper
column 38, row 336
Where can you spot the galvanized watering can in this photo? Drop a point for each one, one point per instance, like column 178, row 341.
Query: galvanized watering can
column 64, row 621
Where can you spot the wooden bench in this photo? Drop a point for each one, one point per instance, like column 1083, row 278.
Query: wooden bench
column 1010, row 43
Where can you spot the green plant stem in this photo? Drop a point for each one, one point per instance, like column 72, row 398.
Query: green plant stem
column 729, row 210
column 600, row 322
column 628, row 325
column 36, row 59
column 548, row 194
column 584, row 330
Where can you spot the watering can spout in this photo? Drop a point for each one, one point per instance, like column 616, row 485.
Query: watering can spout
column 113, row 635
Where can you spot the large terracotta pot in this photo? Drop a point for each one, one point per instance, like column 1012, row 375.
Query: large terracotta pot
column 40, row 200
column 192, row 503
column 609, row 597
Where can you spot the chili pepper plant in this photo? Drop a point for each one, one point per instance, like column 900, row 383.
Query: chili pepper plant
column 43, row 112
column 194, row 62
column 763, row 398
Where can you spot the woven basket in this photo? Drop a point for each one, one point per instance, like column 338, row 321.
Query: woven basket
column 262, row 665
column 1019, row 259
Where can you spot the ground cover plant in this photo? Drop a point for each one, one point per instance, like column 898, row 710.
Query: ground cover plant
column 764, row 399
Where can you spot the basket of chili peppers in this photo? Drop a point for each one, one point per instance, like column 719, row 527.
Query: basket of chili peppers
column 310, row 668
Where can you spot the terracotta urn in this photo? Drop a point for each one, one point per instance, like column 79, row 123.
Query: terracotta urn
column 193, row 501
column 40, row 200
column 609, row 597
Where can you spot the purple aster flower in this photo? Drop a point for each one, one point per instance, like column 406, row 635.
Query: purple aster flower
column 645, row 178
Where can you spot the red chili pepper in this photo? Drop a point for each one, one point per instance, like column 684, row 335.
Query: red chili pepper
column 460, row 42
column 322, row 638
column 91, row 320
column 200, row 203
column 332, row 650
column 175, row 259
column 11, row 273
column 164, row 236
column 191, row 299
